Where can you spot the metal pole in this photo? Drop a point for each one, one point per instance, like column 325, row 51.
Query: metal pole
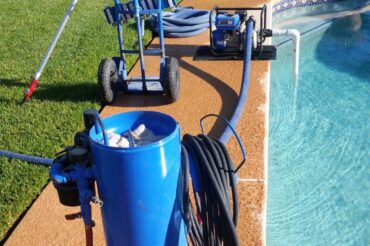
column 122, row 68
column 160, row 24
column 140, row 41
column 46, row 57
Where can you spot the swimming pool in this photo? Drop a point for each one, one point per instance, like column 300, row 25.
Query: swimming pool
column 319, row 140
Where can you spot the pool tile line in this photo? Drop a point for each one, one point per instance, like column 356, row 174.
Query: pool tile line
column 289, row 4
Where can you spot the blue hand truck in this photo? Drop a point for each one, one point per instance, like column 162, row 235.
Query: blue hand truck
column 112, row 74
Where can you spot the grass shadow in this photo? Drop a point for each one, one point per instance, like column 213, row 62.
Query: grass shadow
column 59, row 91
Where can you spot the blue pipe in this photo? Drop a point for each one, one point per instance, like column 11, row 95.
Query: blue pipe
column 47, row 161
column 245, row 83
column 28, row 158
column 183, row 22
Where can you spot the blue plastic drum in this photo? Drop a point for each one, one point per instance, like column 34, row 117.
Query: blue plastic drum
column 141, row 187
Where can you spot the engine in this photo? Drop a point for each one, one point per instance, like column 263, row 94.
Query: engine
column 229, row 35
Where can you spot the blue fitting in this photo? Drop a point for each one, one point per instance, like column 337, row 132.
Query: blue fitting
column 83, row 176
column 56, row 174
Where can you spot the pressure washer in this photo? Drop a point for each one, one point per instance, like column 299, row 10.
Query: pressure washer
column 112, row 74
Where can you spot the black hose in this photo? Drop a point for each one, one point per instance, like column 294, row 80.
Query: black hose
column 215, row 219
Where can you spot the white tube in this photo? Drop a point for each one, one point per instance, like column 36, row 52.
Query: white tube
column 55, row 39
column 296, row 37
column 255, row 39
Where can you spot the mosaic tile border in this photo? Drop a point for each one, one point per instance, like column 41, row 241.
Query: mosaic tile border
column 289, row 4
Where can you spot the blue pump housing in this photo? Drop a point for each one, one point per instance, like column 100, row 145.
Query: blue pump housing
column 227, row 22
column 141, row 187
column 218, row 40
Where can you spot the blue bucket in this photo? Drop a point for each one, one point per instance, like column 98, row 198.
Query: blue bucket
column 141, row 187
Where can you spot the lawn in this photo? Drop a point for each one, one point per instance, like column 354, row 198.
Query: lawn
column 67, row 87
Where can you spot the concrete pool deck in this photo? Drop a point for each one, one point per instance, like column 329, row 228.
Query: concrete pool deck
column 206, row 87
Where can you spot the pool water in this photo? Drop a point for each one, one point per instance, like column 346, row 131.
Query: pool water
column 319, row 140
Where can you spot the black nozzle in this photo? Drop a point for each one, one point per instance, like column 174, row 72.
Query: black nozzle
column 89, row 118
column 267, row 33
column 78, row 155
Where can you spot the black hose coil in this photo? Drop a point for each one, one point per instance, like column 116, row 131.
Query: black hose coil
column 215, row 219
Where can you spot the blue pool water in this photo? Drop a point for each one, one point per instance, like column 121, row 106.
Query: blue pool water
column 319, row 146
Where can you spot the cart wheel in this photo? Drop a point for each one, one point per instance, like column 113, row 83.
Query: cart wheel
column 107, row 77
column 172, row 79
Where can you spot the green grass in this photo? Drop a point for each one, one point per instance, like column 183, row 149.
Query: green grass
column 67, row 87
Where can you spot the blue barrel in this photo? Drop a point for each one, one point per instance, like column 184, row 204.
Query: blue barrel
column 141, row 187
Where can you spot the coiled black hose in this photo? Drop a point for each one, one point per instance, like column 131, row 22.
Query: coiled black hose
column 216, row 216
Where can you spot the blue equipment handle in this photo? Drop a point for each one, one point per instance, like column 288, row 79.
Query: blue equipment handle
column 235, row 133
column 99, row 122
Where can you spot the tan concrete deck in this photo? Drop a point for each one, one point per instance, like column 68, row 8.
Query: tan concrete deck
column 206, row 87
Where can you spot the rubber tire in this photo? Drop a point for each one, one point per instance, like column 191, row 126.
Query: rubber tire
column 107, row 77
column 172, row 79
